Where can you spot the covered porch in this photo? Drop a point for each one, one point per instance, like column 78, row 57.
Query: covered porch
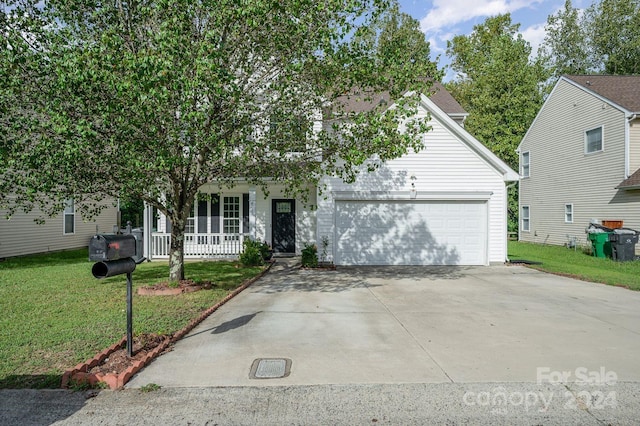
column 222, row 219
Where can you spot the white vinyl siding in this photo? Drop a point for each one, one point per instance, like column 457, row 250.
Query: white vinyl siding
column 594, row 140
column 446, row 166
column 568, row 213
column 525, row 164
column 21, row 235
column 563, row 172
column 525, row 219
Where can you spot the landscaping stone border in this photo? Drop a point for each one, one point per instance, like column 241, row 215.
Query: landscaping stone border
column 80, row 373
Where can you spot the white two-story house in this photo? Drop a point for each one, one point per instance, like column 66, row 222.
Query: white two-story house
column 443, row 205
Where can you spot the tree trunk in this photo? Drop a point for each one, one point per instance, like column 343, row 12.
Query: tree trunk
column 176, row 252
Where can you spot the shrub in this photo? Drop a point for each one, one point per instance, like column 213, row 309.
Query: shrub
column 251, row 254
column 310, row 256
column 265, row 250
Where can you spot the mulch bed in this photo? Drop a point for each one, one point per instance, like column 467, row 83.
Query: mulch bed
column 119, row 361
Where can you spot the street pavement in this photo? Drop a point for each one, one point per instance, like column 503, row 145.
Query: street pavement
column 392, row 345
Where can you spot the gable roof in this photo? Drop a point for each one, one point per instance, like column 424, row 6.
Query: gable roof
column 443, row 107
column 509, row 175
column 358, row 101
column 622, row 90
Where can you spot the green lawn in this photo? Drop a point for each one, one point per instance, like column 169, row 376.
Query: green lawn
column 560, row 260
column 54, row 314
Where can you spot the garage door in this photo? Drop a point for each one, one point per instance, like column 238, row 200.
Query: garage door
column 411, row 232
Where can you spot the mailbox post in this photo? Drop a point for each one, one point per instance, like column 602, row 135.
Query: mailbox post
column 114, row 255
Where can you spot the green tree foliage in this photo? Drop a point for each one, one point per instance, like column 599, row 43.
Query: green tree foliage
column 566, row 47
column 614, row 29
column 150, row 99
column 604, row 38
column 499, row 86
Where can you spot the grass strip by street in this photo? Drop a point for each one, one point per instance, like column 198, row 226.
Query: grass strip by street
column 578, row 264
column 54, row 314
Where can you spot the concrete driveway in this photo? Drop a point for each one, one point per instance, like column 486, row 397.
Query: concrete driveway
column 394, row 325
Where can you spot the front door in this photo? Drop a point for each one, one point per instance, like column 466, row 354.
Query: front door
column 284, row 226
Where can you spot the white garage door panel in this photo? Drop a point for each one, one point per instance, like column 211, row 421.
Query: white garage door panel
column 411, row 232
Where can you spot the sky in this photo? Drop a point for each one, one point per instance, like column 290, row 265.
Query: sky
column 441, row 20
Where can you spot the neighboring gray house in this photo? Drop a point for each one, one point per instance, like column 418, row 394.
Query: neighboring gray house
column 444, row 205
column 21, row 235
column 580, row 159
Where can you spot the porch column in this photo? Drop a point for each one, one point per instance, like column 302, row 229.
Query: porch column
column 252, row 212
column 147, row 227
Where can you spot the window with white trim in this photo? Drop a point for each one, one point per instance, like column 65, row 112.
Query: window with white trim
column 69, row 225
column 525, row 164
column 525, row 219
column 231, row 215
column 593, row 140
column 190, row 226
column 568, row 213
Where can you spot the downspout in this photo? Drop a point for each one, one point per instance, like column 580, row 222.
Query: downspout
column 627, row 148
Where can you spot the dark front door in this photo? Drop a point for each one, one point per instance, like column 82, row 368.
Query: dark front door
column 284, row 226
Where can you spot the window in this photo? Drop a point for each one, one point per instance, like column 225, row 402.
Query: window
column 525, row 164
column 568, row 213
column 69, row 218
column 190, row 226
column 525, row 219
column 593, row 140
column 231, row 215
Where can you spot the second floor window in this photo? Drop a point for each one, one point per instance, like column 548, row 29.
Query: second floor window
column 593, row 140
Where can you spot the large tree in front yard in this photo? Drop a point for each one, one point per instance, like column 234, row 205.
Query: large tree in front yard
column 153, row 98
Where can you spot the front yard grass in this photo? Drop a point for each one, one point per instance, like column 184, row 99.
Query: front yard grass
column 54, row 314
column 576, row 263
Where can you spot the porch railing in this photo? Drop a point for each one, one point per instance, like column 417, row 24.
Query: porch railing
column 199, row 245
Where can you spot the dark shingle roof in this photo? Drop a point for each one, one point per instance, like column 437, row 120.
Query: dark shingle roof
column 357, row 100
column 623, row 90
column 632, row 182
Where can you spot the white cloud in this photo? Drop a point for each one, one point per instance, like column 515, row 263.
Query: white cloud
column 535, row 36
column 446, row 13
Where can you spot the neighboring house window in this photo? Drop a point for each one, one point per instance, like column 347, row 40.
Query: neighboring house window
column 231, row 215
column 69, row 218
column 593, row 140
column 568, row 213
column 525, row 164
column 525, row 219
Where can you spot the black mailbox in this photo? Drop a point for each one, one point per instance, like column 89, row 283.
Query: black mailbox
column 107, row 247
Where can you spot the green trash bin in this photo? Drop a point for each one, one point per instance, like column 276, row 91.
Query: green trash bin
column 600, row 243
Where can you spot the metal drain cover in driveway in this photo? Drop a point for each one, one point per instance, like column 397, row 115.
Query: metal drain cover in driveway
column 270, row 368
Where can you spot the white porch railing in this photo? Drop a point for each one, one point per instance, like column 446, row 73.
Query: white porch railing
column 199, row 245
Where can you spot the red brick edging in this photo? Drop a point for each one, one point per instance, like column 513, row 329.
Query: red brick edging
column 80, row 373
